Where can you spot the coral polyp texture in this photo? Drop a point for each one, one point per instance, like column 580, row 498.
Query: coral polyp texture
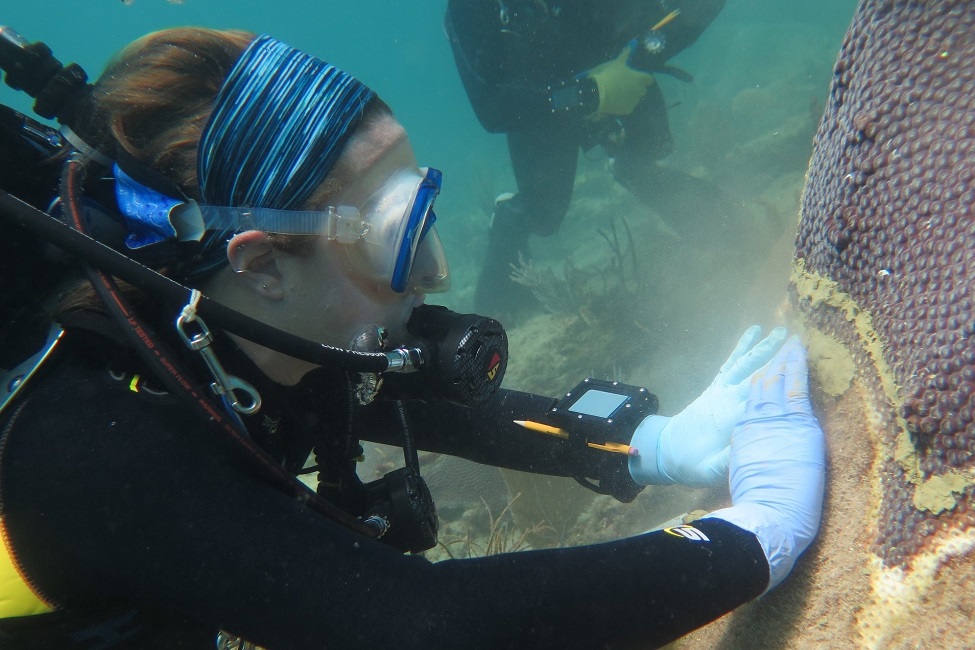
column 884, row 261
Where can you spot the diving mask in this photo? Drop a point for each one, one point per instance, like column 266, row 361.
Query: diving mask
column 390, row 238
column 398, row 242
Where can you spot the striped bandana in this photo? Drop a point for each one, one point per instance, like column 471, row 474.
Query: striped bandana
column 279, row 123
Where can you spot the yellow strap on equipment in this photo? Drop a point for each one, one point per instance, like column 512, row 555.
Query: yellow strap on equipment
column 16, row 596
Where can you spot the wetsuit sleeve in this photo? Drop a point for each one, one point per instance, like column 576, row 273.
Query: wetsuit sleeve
column 488, row 435
column 113, row 498
column 502, row 99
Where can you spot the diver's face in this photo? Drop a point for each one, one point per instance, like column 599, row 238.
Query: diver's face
column 336, row 299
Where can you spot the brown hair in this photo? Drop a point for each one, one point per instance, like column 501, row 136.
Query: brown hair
column 158, row 92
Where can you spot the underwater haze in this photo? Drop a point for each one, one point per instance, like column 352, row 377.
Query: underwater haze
column 400, row 50
column 625, row 291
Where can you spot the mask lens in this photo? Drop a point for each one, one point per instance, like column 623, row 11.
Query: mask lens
column 419, row 220
column 398, row 220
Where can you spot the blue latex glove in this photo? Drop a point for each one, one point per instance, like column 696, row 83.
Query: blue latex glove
column 691, row 448
column 778, row 464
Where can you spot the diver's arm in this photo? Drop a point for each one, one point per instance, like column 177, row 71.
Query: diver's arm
column 488, row 434
column 690, row 448
column 485, row 434
column 141, row 508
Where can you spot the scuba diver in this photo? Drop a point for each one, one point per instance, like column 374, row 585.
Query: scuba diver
column 250, row 240
column 557, row 77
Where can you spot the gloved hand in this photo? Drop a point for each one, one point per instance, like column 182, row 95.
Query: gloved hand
column 620, row 85
column 778, row 463
column 691, row 448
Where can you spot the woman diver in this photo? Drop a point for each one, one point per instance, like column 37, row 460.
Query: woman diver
column 283, row 188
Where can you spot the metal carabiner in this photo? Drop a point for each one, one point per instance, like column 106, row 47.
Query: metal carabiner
column 223, row 384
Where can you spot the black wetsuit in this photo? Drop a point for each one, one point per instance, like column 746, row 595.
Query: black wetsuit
column 144, row 529
column 512, row 53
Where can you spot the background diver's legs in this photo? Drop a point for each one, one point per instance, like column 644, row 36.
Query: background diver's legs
column 695, row 208
column 544, row 162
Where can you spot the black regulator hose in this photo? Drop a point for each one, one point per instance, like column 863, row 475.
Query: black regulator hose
column 178, row 382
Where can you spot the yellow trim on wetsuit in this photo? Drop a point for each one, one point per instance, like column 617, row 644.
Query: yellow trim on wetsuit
column 16, row 596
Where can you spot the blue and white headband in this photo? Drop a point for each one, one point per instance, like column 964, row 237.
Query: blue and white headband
column 279, row 123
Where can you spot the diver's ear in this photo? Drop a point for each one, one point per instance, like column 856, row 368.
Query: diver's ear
column 252, row 259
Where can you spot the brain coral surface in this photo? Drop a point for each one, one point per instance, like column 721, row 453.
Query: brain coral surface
column 885, row 250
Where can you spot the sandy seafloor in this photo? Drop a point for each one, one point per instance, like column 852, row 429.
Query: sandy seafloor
column 745, row 125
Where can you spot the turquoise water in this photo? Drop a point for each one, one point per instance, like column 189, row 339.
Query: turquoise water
column 762, row 72
column 399, row 49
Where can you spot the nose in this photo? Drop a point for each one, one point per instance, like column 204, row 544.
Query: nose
column 430, row 273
